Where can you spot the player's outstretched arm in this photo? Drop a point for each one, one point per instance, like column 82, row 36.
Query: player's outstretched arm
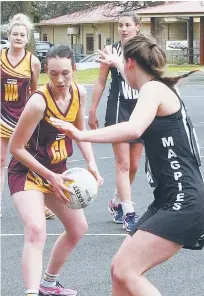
column 150, row 98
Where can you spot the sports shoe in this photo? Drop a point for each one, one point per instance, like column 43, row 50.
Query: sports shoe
column 129, row 221
column 57, row 290
column 116, row 211
column 49, row 214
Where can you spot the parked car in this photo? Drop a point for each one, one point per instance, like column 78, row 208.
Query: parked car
column 42, row 47
column 4, row 44
column 89, row 62
column 78, row 57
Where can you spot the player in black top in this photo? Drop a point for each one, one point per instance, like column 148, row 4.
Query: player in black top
column 175, row 219
column 121, row 102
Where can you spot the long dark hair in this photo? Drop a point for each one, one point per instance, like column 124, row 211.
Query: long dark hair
column 150, row 57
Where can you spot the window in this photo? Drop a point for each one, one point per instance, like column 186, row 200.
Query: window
column 44, row 37
column 99, row 41
column 89, row 43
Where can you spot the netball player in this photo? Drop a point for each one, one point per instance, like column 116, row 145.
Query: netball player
column 36, row 171
column 175, row 219
column 120, row 104
column 19, row 77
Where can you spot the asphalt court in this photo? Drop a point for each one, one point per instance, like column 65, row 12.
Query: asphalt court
column 88, row 267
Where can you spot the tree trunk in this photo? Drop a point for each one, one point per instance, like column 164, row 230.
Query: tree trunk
column 158, row 31
column 26, row 8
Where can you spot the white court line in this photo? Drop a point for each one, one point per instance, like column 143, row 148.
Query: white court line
column 106, row 157
column 57, row 234
column 101, row 158
column 96, row 158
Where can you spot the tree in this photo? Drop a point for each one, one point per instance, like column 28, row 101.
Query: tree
column 114, row 8
column 43, row 10
column 26, row 8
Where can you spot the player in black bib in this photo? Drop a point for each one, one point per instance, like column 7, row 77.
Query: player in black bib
column 121, row 102
column 175, row 219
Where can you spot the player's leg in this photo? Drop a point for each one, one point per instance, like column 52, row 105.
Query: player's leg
column 135, row 156
column 4, row 151
column 75, row 225
column 137, row 255
column 124, row 205
column 35, row 235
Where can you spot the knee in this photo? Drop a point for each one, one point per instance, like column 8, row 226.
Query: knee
column 122, row 274
column 122, row 165
column 78, row 232
column 117, row 273
column 134, row 167
column 35, row 235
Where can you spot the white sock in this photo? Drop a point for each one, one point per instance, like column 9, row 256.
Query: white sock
column 127, row 207
column 49, row 280
column 31, row 292
column 116, row 198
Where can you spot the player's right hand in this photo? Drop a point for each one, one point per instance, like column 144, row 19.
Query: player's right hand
column 93, row 120
column 57, row 181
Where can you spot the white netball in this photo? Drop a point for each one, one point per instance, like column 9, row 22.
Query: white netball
column 84, row 186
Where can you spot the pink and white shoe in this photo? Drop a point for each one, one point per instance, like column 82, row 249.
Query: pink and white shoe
column 57, row 290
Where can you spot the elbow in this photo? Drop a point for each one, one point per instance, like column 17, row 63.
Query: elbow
column 14, row 150
column 134, row 133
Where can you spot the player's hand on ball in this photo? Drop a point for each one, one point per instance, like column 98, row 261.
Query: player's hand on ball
column 57, row 181
column 68, row 128
column 92, row 168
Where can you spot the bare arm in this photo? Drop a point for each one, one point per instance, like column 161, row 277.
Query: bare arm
column 112, row 59
column 150, row 98
column 85, row 147
column 100, row 84
column 27, row 123
column 97, row 94
column 35, row 67
column 142, row 116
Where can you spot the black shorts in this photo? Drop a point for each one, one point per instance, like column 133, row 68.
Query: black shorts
column 120, row 111
column 185, row 227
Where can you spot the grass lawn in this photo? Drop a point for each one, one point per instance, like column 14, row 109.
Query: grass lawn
column 90, row 76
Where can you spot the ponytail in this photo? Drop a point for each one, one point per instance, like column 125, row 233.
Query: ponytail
column 171, row 81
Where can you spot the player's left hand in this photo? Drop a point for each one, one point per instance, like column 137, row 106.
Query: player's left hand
column 68, row 128
column 112, row 59
column 92, row 168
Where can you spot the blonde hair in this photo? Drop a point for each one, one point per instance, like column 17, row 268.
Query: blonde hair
column 21, row 19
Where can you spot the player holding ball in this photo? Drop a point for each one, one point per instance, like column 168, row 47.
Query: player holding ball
column 40, row 152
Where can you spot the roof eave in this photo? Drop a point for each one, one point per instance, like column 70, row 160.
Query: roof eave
column 190, row 14
column 77, row 23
